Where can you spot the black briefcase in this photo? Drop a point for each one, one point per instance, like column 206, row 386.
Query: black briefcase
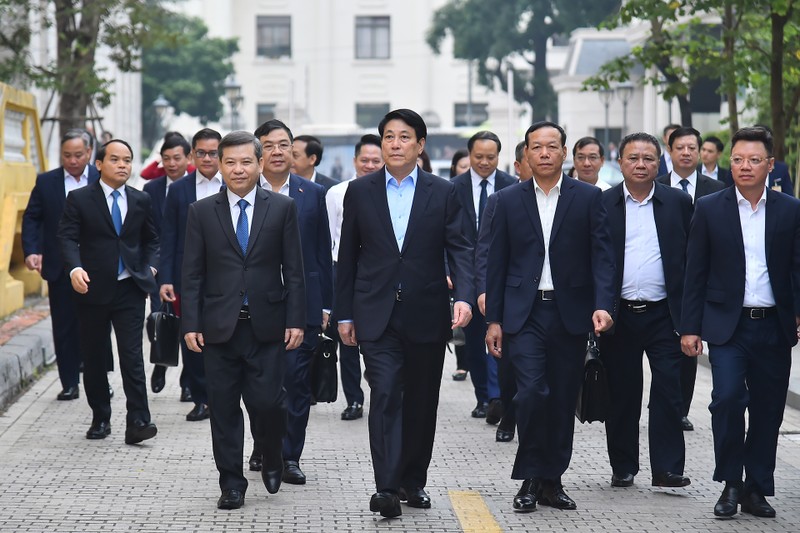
column 324, row 374
column 164, row 333
column 593, row 399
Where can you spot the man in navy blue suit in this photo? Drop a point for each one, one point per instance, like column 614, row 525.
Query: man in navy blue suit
column 315, row 238
column 649, row 223
column 549, row 283
column 742, row 296
column 306, row 157
column 473, row 188
column 710, row 152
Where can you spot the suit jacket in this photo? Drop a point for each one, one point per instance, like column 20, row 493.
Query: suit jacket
column 662, row 166
column 581, row 256
column 723, row 174
column 703, row 186
column 88, row 240
column 712, row 304
column 157, row 189
column 216, row 275
column 370, row 267
column 325, row 181
column 182, row 193
column 672, row 210
column 41, row 218
column 779, row 177
column 463, row 184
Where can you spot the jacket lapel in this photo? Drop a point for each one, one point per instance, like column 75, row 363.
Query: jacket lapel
column 381, row 203
column 465, row 195
column 731, row 213
column 133, row 203
column 259, row 215
column 101, row 204
column 616, row 224
column 223, row 210
column 565, row 198
column 771, row 221
column 296, row 192
column 532, row 208
column 422, row 195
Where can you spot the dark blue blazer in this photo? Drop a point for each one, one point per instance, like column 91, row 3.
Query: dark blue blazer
column 662, row 166
column 723, row 174
column 157, row 189
column 463, row 184
column 672, row 210
column 41, row 218
column 325, row 181
column 779, row 177
column 581, row 256
column 712, row 304
column 182, row 193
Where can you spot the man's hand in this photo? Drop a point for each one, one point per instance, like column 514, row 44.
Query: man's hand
column 494, row 340
column 347, row 333
column 602, row 321
column 167, row 293
column 691, row 345
column 80, row 280
column 462, row 314
column 482, row 303
column 34, row 262
column 194, row 341
column 797, row 321
column 293, row 338
column 326, row 318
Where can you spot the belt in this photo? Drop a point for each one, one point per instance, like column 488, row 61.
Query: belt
column 546, row 296
column 244, row 313
column 758, row 313
column 638, row 306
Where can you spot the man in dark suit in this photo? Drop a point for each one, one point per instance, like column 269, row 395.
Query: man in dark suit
column 392, row 297
column 649, row 223
column 306, row 157
column 665, row 162
column 742, row 296
column 549, row 282
column 710, row 152
column 243, row 308
column 110, row 251
column 42, row 252
column 779, row 179
column 205, row 181
column 684, row 145
column 312, row 217
column 473, row 188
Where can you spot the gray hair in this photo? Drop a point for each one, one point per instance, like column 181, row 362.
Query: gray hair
column 78, row 133
column 238, row 138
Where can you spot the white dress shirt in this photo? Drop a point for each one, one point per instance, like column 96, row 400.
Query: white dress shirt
column 712, row 174
column 284, row 189
column 205, row 187
column 334, row 202
column 757, row 289
column 70, row 183
column 547, row 203
column 675, row 181
column 643, row 270
column 476, row 189
column 122, row 202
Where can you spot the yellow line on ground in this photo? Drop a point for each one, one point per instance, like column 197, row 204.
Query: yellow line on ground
column 472, row 512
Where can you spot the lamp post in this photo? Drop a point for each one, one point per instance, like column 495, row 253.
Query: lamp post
column 605, row 96
column 625, row 93
column 233, row 92
column 161, row 106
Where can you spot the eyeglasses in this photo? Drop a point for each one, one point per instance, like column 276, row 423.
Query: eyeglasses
column 283, row 147
column 201, row 154
column 594, row 158
column 754, row 161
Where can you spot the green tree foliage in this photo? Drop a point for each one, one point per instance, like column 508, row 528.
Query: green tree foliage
column 491, row 32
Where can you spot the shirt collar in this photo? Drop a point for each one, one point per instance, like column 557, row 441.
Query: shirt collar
column 557, row 186
column 412, row 175
column 265, row 184
column 233, row 198
column 201, row 179
column 740, row 198
column 476, row 179
column 675, row 179
column 107, row 190
column 84, row 174
column 627, row 194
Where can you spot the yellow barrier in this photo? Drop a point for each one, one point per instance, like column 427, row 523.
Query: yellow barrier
column 21, row 158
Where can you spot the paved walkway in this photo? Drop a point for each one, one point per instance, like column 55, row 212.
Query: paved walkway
column 54, row 480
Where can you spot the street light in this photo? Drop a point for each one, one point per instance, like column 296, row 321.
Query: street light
column 161, row 106
column 625, row 93
column 605, row 96
column 233, row 92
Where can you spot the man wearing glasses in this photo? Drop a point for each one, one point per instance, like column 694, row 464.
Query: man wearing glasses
column 203, row 182
column 588, row 158
column 742, row 296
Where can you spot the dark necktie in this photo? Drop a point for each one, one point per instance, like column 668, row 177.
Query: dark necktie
column 684, row 185
column 242, row 233
column 116, row 218
column 482, row 201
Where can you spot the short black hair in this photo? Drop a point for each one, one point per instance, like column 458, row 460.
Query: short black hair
column 271, row 125
column 586, row 141
column 484, row 136
column 519, row 151
column 640, row 136
column 685, row 131
column 101, row 152
column 204, row 134
column 716, row 141
column 546, row 124
column 408, row 116
column 238, row 138
column 369, row 138
column 175, row 140
column 458, row 156
column 77, row 133
column 756, row 134
column 313, row 147
column 670, row 127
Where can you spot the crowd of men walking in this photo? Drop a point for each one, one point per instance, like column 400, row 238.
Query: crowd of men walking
column 259, row 254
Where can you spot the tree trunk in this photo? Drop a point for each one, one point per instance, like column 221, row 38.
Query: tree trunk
column 543, row 100
column 729, row 81
column 776, row 85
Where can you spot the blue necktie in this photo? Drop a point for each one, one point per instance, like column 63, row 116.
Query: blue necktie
column 242, row 233
column 482, row 201
column 684, row 185
column 116, row 218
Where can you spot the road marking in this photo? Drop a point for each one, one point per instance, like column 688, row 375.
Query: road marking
column 472, row 512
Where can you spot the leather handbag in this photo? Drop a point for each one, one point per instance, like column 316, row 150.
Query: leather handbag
column 593, row 398
column 324, row 374
column 164, row 333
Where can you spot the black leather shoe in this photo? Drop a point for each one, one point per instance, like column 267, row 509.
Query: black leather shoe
column 139, row 431
column 621, row 480
column 70, row 393
column 110, row 392
column 686, row 424
column 230, row 499
column 385, row 502
column 353, row 412
column 272, row 470
column 98, row 430
column 525, row 500
column 504, row 435
column 668, row 479
column 553, row 495
column 292, row 473
column 755, row 503
column 186, row 394
column 415, row 497
column 158, row 379
column 255, row 461
column 480, row 410
column 495, row 411
column 459, row 375
column 728, row 500
column 200, row 412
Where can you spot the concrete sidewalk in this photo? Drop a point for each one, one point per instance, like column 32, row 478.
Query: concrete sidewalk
column 54, row 480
